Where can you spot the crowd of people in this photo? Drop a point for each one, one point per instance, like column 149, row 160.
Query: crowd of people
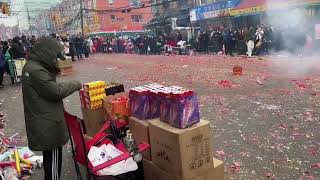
column 20, row 47
column 250, row 41
column 260, row 40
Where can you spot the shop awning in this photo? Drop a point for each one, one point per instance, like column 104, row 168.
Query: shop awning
column 249, row 7
column 284, row 4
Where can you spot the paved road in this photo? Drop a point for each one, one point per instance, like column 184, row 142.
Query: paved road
column 265, row 122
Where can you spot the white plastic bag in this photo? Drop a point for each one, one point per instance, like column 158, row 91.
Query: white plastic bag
column 104, row 153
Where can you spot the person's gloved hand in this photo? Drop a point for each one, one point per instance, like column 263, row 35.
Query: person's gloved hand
column 78, row 85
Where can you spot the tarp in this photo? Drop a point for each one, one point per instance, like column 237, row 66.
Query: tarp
column 249, row 7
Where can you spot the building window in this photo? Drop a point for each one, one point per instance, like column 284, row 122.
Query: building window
column 136, row 18
column 120, row 19
column 113, row 18
column 134, row 3
column 110, row 2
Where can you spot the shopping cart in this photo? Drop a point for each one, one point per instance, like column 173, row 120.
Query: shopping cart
column 15, row 67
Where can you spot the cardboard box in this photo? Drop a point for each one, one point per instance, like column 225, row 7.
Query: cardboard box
column 140, row 132
column 65, row 64
column 184, row 152
column 218, row 171
column 153, row 172
column 93, row 120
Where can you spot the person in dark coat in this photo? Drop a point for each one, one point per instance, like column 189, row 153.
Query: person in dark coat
column 43, row 105
column 79, row 46
column 205, row 42
column 2, row 67
column 146, row 44
column 18, row 50
column 179, row 37
column 72, row 48
column 26, row 43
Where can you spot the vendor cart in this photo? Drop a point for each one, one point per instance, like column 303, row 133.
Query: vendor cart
column 80, row 147
column 15, row 67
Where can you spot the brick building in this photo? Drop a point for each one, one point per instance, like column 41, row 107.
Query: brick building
column 132, row 20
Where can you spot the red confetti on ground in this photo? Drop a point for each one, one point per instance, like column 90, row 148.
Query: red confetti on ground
column 316, row 165
column 312, row 151
column 300, row 84
column 236, row 166
column 220, row 153
column 270, row 176
column 283, row 126
column 225, row 84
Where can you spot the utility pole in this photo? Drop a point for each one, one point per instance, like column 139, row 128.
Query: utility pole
column 29, row 20
column 81, row 17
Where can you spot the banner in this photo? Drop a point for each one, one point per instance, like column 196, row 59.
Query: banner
column 256, row 9
column 217, row 9
column 217, row 13
column 317, row 31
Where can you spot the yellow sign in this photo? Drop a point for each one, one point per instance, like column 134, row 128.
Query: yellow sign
column 96, row 18
column 256, row 9
column 86, row 29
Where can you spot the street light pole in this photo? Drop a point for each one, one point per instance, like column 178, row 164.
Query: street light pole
column 81, row 18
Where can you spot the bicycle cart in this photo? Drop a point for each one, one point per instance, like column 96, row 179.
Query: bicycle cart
column 15, row 67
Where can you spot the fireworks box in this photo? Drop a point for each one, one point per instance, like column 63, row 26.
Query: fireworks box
column 91, row 101
column 114, row 88
column 92, row 95
column 153, row 172
column 117, row 108
column 174, row 105
column 183, row 152
column 140, row 132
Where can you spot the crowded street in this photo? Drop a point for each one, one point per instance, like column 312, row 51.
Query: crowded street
column 159, row 89
column 265, row 122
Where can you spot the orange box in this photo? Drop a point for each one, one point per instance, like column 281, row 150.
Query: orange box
column 117, row 106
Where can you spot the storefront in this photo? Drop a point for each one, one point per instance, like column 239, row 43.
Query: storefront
column 213, row 15
column 249, row 13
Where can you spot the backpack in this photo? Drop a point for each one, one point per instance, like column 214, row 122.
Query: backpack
column 7, row 55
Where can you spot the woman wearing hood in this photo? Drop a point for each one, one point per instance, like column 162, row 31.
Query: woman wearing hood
column 43, row 105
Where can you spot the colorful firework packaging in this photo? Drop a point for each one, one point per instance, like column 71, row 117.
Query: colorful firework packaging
column 117, row 109
column 92, row 95
column 174, row 105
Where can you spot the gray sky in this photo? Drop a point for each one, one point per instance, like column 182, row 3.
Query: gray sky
column 19, row 7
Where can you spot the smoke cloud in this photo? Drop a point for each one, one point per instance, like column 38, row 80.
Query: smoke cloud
column 295, row 30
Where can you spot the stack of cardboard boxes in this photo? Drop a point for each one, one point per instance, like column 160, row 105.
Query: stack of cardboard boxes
column 101, row 102
column 177, row 154
column 91, row 96
column 181, row 143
